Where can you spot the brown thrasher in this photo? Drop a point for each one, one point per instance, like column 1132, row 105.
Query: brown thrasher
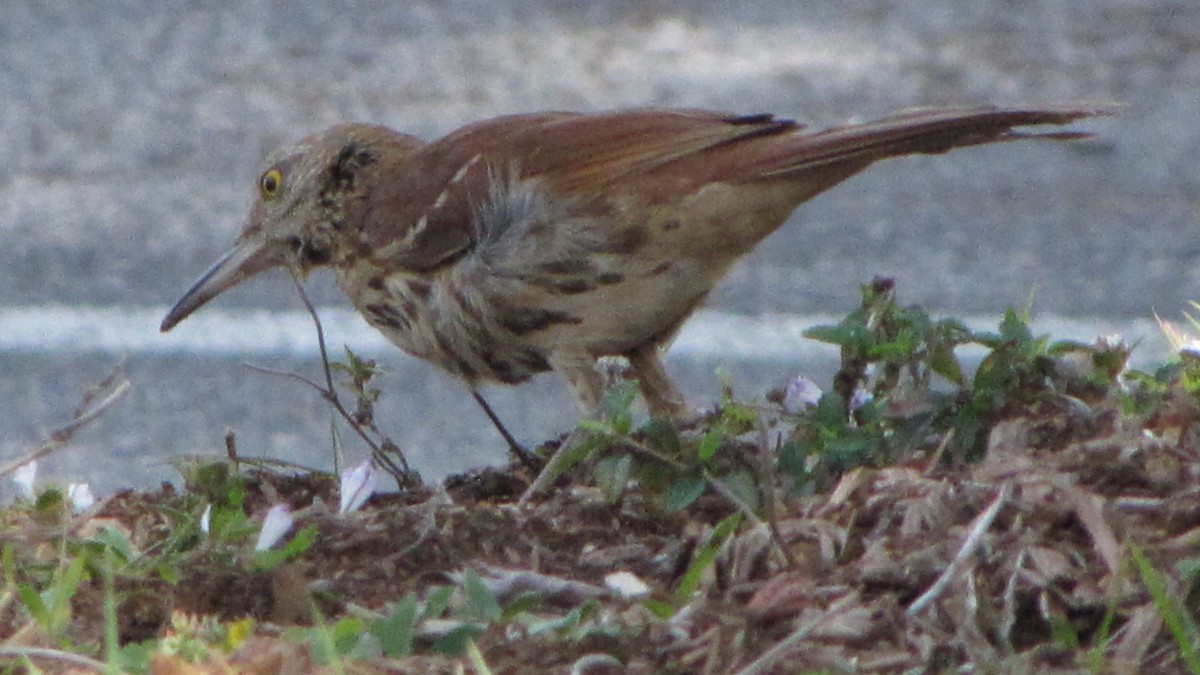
column 538, row 242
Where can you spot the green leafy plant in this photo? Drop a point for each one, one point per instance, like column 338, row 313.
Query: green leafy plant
column 50, row 606
column 465, row 612
column 902, row 385
column 1176, row 617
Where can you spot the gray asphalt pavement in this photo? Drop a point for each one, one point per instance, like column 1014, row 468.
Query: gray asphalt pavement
column 131, row 134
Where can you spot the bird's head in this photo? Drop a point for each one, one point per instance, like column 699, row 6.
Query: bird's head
column 305, row 200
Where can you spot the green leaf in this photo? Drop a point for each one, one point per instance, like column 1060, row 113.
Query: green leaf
column 329, row 643
column 63, row 590
column 744, row 485
column 849, row 333
column 737, row 418
column 436, row 601
column 454, row 643
column 1062, row 632
column 612, row 475
column 1189, row 567
column 582, row 444
column 849, row 450
column 705, row 556
column 51, row 608
column 296, row 546
column 524, row 602
column 115, row 540
column 395, row 631
column 616, row 402
column 569, row 621
column 663, row 436
column 659, row 608
column 34, row 605
column 1013, row 328
column 709, row 443
column 681, row 493
column 135, row 657
column 830, row 412
column 1176, row 619
column 596, row 427
column 653, row 477
column 793, row 457
column 481, row 602
column 111, row 640
column 8, row 563
column 943, row 362
column 300, row 543
column 168, row 572
column 898, row 348
column 51, row 502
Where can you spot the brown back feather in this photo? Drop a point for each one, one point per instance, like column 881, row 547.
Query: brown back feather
column 660, row 154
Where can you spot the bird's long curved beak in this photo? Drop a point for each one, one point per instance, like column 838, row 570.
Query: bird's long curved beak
column 244, row 260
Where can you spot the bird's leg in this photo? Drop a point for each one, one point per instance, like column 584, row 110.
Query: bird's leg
column 663, row 398
column 518, row 451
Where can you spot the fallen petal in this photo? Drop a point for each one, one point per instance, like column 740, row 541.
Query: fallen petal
column 357, row 485
column 626, row 584
column 275, row 525
column 24, row 477
column 81, row 497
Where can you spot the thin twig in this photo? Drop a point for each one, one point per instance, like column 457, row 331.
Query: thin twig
column 532, row 463
column 974, row 538
column 56, row 654
column 551, row 471
column 256, row 462
column 937, row 455
column 231, row 448
column 402, row 474
column 379, row 451
column 96, row 401
column 767, row 480
column 785, row 646
column 295, row 376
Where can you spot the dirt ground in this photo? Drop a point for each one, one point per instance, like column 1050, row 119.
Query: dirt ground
column 1043, row 555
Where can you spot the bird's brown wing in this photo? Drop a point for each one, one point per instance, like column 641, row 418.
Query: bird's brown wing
column 430, row 214
column 590, row 153
column 474, row 184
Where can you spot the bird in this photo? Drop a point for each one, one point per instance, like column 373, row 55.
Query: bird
column 539, row 242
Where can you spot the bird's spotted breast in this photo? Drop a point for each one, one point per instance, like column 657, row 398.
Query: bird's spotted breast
column 387, row 316
column 528, row 320
column 457, row 328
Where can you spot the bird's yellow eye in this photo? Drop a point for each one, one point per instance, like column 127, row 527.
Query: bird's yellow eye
column 270, row 183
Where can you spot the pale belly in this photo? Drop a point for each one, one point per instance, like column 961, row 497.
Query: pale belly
column 488, row 328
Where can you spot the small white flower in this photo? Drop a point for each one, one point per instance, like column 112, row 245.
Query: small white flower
column 859, row 398
column 206, row 518
column 80, row 496
column 357, row 485
column 1190, row 348
column 626, row 584
column 24, row 477
column 801, row 393
column 275, row 525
